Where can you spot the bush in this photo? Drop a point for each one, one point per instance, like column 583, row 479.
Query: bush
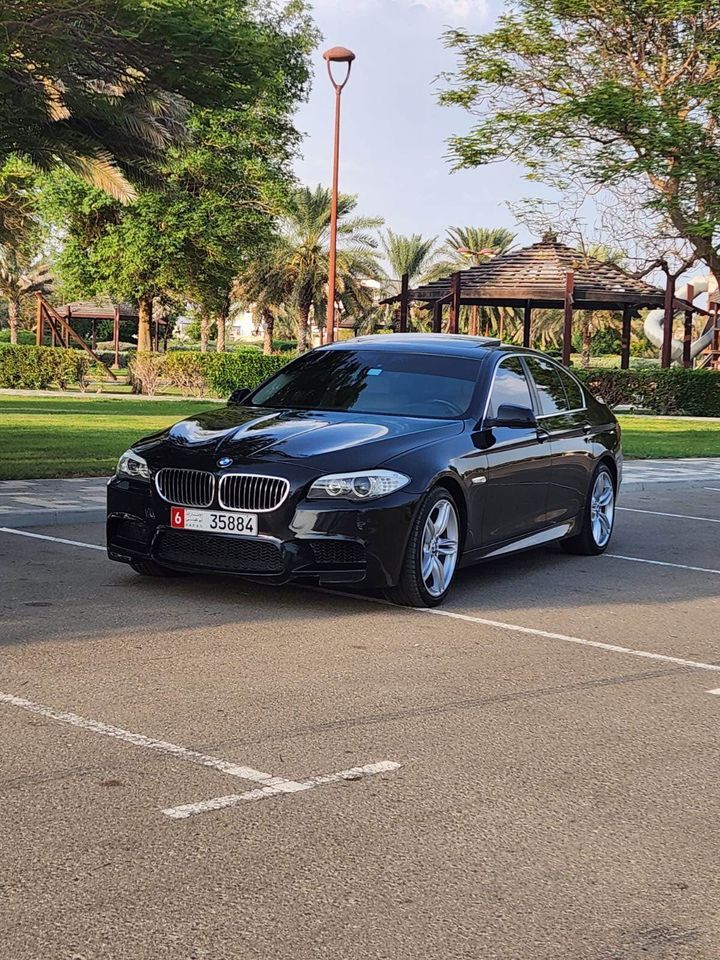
column 24, row 337
column 186, row 371
column 37, row 368
column 226, row 372
column 693, row 393
column 146, row 372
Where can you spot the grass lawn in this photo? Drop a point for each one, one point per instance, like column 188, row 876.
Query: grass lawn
column 73, row 437
column 682, row 437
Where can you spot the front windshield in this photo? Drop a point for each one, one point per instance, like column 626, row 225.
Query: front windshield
column 374, row 381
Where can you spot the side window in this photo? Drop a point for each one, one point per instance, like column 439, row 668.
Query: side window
column 510, row 386
column 549, row 386
column 574, row 393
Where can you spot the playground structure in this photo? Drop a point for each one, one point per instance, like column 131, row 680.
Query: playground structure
column 687, row 350
column 59, row 320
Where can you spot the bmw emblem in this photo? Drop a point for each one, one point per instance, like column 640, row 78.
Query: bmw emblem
column 224, row 461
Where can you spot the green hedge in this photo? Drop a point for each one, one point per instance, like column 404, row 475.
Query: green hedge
column 694, row 393
column 36, row 368
column 226, row 372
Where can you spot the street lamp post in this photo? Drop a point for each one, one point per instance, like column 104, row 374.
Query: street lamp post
column 335, row 55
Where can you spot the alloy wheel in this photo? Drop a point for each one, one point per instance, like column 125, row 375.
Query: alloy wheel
column 439, row 547
column 602, row 508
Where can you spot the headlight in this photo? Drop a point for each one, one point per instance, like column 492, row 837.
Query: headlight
column 133, row 466
column 361, row 485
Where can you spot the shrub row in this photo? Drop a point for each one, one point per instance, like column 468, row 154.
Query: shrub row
column 198, row 374
column 694, row 393
column 36, row 368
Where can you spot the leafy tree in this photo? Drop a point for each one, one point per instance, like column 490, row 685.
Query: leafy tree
column 304, row 255
column 212, row 200
column 614, row 94
column 21, row 275
column 104, row 86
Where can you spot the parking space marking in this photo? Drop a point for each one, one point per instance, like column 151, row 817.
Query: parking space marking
column 271, row 786
column 264, row 793
column 532, row 631
column 716, row 692
column 149, row 743
column 677, row 516
column 714, row 489
column 661, row 563
column 44, row 536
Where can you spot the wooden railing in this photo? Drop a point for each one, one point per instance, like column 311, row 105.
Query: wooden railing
column 60, row 330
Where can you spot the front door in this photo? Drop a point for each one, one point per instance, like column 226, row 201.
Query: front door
column 519, row 460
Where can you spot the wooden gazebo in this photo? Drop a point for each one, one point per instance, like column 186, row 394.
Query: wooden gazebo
column 547, row 275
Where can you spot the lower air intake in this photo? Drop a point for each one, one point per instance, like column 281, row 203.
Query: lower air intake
column 211, row 552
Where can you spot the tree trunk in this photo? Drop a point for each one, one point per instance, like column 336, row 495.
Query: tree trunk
column 303, row 327
column 13, row 316
column 144, row 340
column 222, row 320
column 204, row 332
column 586, row 338
column 268, row 331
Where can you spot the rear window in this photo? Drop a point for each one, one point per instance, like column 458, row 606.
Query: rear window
column 549, row 386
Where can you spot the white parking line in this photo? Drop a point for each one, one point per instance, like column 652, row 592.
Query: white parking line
column 271, row 786
column 716, row 692
column 43, row 536
column 263, row 793
column 532, row 631
column 677, row 516
column 661, row 563
column 715, row 489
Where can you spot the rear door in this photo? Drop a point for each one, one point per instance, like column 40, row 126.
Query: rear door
column 519, row 463
column 564, row 416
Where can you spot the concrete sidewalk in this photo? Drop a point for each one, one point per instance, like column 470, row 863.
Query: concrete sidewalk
column 40, row 503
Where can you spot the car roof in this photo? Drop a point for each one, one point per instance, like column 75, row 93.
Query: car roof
column 449, row 344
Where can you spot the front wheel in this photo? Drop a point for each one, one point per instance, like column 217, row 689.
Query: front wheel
column 432, row 553
column 598, row 516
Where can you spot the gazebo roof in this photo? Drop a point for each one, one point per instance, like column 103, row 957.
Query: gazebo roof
column 96, row 310
column 536, row 274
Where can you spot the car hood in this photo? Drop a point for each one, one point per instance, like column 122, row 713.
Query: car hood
column 249, row 435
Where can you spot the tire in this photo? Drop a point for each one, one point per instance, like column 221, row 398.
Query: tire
column 414, row 589
column 588, row 542
column 148, row 568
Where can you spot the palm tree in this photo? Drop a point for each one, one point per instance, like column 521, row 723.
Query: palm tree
column 18, row 279
column 413, row 255
column 304, row 254
column 593, row 321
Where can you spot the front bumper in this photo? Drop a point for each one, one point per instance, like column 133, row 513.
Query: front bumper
column 307, row 540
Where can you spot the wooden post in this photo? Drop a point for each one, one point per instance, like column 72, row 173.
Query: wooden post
column 437, row 317
column 474, row 331
column 93, row 334
column 527, row 324
column 687, row 328
column 404, row 303
column 666, row 353
column 116, row 337
column 39, row 321
column 454, row 302
column 568, row 316
column 625, row 337
column 715, row 361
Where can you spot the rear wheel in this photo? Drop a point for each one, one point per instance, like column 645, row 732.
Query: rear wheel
column 598, row 516
column 432, row 553
column 148, row 568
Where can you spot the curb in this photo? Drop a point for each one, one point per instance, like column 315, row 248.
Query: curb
column 635, row 486
column 53, row 518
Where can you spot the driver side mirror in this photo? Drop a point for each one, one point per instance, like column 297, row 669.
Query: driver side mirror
column 239, row 396
column 514, row 417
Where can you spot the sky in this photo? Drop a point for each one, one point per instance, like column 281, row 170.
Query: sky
column 394, row 133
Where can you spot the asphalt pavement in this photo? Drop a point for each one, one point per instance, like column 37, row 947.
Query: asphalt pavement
column 204, row 768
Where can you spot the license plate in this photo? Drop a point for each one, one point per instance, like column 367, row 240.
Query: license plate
column 214, row 521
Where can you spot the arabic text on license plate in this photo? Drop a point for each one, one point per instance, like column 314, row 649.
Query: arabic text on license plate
column 214, row 521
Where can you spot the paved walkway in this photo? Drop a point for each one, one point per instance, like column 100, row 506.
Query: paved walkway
column 39, row 503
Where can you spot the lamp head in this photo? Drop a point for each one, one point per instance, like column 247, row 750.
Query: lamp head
column 339, row 55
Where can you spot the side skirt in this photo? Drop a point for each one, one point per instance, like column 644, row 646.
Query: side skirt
column 515, row 546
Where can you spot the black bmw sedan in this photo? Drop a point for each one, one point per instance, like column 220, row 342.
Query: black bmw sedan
column 385, row 461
